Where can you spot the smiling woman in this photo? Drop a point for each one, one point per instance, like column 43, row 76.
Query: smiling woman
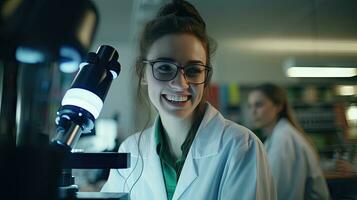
column 166, row 94
column 191, row 151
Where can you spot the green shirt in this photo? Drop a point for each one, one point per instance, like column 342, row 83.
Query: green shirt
column 171, row 169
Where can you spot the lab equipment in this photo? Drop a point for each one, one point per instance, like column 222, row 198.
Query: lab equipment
column 81, row 105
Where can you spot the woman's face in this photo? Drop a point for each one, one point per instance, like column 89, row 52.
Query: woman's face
column 263, row 111
column 176, row 97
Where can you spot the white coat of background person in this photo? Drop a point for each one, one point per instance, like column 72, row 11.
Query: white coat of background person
column 292, row 158
column 219, row 159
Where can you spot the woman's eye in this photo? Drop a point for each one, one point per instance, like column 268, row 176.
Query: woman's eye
column 259, row 104
column 193, row 71
column 164, row 68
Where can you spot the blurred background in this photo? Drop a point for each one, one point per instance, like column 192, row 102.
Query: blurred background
column 258, row 42
column 307, row 46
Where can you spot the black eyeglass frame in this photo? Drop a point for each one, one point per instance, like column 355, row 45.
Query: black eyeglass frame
column 152, row 62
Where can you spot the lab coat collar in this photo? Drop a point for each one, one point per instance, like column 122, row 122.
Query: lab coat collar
column 279, row 126
column 156, row 175
column 209, row 134
column 206, row 143
column 185, row 181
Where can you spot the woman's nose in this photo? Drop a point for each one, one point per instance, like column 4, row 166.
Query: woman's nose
column 180, row 80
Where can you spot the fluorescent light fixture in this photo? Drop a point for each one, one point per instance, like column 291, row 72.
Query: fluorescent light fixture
column 319, row 67
column 29, row 55
column 321, row 72
column 346, row 90
column 352, row 113
column 297, row 45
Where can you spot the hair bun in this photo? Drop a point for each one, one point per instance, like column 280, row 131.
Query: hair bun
column 181, row 8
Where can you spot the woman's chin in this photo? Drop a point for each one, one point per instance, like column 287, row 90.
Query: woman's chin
column 179, row 114
column 258, row 125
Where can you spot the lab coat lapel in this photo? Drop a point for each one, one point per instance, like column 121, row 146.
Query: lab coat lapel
column 190, row 174
column 208, row 134
column 155, row 177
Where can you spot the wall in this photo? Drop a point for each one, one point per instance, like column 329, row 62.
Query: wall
column 120, row 98
column 235, row 65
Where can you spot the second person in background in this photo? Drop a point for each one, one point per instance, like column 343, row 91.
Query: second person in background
column 191, row 151
column 291, row 156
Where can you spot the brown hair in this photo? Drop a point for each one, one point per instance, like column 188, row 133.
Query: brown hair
column 278, row 96
column 174, row 18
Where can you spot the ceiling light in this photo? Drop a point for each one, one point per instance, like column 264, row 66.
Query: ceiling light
column 299, row 45
column 319, row 67
column 352, row 113
column 346, row 90
column 321, row 72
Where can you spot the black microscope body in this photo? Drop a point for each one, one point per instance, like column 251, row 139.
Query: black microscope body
column 81, row 105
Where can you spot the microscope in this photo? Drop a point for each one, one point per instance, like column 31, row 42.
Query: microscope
column 80, row 107
column 37, row 40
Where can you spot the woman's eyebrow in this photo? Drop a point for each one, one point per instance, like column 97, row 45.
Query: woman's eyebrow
column 175, row 61
column 165, row 58
column 194, row 62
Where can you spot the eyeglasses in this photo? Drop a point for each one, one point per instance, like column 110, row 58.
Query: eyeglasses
column 166, row 70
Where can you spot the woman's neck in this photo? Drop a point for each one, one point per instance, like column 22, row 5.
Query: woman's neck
column 177, row 130
column 268, row 129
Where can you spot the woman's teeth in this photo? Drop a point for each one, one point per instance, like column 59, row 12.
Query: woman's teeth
column 176, row 98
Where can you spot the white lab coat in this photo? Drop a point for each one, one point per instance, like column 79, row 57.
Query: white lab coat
column 226, row 161
column 295, row 168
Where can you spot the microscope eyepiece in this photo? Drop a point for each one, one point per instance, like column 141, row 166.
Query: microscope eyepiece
column 82, row 103
column 107, row 53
